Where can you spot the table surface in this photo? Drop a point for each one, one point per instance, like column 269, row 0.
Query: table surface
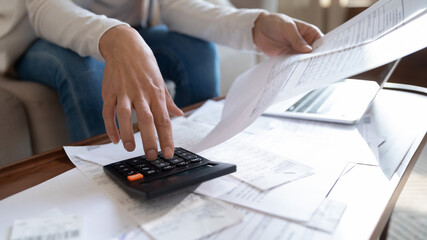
column 369, row 195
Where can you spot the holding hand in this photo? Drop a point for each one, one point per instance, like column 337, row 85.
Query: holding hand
column 132, row 80
column 276, row 34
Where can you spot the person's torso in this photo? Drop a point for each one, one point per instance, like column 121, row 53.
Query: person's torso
column 130, row 11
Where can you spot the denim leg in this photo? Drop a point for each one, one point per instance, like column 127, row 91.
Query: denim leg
column 78, row 81
column 193, row 64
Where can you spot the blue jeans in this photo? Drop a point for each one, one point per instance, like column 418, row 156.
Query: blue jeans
column 191, row 63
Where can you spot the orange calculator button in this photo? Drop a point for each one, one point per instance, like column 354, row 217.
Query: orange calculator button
column 135, row 177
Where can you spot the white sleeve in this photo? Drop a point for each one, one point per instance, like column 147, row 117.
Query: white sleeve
column 224, row 25
column 69, row 25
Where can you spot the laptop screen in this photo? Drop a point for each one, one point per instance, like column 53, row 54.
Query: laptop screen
column 380, row 74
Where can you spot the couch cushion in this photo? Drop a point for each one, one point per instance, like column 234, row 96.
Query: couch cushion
column 46, row 118
column 15, row 143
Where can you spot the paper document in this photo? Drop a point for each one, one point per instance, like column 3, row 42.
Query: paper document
column 328, row 215
column 186, row 134
column 257, row 226
column 287, row 76
column 368, row 131
column 371, row 24
column 325, row 149
column 209, row 114
column 133, row 234
column 70, row 194
column 256, row 166
column 65, row 227
column 163, row 217
column 295, row 201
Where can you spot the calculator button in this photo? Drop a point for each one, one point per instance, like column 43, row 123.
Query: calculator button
column 120, row 166
column 189, row 157
column 184, row 154
column 179, row 150
column 162, row 165
column 167, row 168
column 175, row 160
column 135, row 161
column 142, row 165
column 195, row 160
column 129, row 172
column 149, row 172
column 182, row 164
column 135, row 177
column 125, row 169
column 173, row 157
column 157, row 161
column 145, row 169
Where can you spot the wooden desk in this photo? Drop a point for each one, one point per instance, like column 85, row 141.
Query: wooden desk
column 370, row 197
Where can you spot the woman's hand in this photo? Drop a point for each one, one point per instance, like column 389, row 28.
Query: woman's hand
column 132, row 80
column 276, row 34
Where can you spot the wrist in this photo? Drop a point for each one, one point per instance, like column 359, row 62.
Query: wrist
column 113, row 38
column 257, row 28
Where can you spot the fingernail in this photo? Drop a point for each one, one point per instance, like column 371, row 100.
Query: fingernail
column 152, row 154
column 307, row 48
column 129, row 146
column 114, row 138
column 167, row 152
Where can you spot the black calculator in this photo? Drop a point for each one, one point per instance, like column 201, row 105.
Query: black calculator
column 153, row 178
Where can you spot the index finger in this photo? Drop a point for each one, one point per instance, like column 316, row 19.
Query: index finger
column 163, row 127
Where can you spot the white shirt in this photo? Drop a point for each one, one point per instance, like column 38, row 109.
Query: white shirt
column 79, row 24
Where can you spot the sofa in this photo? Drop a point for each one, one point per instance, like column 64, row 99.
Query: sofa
column 32, row 120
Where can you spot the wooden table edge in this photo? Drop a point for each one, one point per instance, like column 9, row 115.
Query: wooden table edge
column 36, row 169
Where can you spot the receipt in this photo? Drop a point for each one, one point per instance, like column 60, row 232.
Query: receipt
column 256, row 166
column 53, row 228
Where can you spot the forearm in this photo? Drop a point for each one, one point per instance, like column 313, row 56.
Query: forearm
column 227, row 26
column 69, row 25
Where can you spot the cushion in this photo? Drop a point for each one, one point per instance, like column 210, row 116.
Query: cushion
column 15, row 143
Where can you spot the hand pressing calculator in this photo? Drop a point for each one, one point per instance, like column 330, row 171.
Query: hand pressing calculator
column 153, row 178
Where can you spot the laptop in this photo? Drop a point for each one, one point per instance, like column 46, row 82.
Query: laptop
column 344, row 101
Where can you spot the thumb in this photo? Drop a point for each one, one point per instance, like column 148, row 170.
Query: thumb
column 297, row 41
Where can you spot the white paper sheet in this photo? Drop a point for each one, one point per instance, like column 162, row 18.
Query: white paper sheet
column 367, row 130
column 328, row 215
column 283, row 136
column 209, row 114
column 255, row 166
column 260, row 226
column 258, row 167
column 63, row 227
column 72, row 194
column 305, row 141
column 166, row 216
column 186, row 134
column 286, row 76
column 296, row 201
column 133, row 234
column 376, row 21
column 326, row 150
